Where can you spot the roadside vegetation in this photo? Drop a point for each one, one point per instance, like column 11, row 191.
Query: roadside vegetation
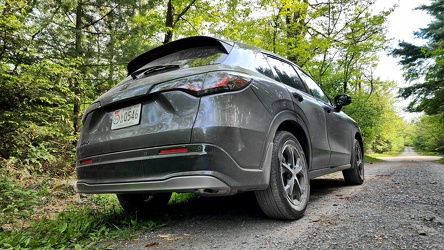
column 58, row 56
column 44, row 212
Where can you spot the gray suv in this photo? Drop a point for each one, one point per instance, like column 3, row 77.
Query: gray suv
column 215, row 117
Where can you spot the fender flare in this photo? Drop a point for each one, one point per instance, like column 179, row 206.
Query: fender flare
column 293, row 123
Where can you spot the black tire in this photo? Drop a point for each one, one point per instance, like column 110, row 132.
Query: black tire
column 289, row 191
column 355, row 175
column 143, row 202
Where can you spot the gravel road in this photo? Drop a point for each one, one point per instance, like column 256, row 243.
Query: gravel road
column 399, row 206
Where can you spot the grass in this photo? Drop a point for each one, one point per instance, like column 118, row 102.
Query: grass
column 388, row 154
column 45, row 213
column 432, row 154
column 424, row 153
column 376, row 157
column 371, row 159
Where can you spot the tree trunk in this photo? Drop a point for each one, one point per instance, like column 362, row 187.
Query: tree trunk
column 169, row 22
column 76, row 82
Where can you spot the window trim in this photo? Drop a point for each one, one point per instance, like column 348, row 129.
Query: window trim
column 305, row 90
column 310, row 92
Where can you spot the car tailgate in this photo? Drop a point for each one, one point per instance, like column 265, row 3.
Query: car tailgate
column 166, row 118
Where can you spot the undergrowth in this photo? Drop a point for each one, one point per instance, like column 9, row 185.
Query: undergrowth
column 371, row 158
column 79, row 228
column 45, row 213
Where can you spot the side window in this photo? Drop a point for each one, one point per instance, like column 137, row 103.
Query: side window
column 287, row 74
column 315, row 90
column 262, row 66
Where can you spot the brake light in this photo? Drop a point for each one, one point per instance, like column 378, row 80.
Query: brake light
column 205, row 84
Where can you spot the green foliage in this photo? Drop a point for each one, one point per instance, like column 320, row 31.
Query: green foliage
column 424, row 65
column 177, row 198
column 84, row 224
column 383, row 130
column 19, row 199
column 371, row 159
column 35, row 95
column 429, row 135
column 72, row 228
column 81, row 224
column 58, row 56
column 62, row 55
column 424, row 69
column 34, row 122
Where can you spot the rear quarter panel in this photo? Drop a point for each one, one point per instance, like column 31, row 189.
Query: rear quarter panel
column 235, row 121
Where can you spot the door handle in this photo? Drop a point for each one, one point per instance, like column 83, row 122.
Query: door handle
column 298, row 97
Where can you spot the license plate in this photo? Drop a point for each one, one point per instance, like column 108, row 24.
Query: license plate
column 126, row 117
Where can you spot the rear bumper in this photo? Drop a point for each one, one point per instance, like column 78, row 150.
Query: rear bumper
column 197, row 184
column 203, row 169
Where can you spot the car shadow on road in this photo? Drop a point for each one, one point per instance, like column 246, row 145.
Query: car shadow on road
column 241, row 206
column 321, row 187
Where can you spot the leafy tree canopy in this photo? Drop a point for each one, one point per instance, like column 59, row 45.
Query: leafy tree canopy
column 57, row 56
column 424, row 64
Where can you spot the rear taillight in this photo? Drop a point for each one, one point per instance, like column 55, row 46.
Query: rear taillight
column 216, row 82
column 205, row 84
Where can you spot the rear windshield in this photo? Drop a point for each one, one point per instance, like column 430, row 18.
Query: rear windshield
column 193, row 57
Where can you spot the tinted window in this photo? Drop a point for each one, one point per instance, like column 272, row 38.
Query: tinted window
column 263, row 67
column 286, row 73
column 315, row 90
column 193, row 57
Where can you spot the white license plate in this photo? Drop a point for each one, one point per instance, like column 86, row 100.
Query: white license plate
column 125, row 117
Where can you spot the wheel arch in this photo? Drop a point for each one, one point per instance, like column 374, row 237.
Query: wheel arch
column 358, row 137
column 297, row 130
column 291, row 122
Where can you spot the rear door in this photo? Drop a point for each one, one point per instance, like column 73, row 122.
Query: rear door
column 308, row 108
column 338, row 128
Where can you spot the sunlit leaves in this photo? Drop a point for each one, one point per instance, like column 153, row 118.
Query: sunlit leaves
column 45, row 69
column 428, row 133
column 424, row 65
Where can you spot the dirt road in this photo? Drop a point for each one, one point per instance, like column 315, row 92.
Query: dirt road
column 400, row 206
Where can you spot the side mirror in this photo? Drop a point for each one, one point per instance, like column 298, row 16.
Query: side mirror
column 341, row 101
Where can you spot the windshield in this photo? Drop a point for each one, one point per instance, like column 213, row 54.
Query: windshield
column 193, row 57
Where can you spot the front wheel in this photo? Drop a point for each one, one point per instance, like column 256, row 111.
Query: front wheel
column 142, row 202
column 287, row 195
column 355, row 175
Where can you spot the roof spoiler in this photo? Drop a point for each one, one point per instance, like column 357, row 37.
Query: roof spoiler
column 178, row 45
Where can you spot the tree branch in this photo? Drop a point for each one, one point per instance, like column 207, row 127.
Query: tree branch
column 179, row 16
column 98, row 20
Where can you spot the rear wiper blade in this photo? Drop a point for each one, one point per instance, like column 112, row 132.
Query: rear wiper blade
column 153, row 69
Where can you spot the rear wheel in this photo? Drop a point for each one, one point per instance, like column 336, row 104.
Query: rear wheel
column 355, row 175
column 141, row 202
column 287, row 195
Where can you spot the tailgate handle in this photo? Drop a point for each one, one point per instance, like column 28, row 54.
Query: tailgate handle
column 298, row 96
